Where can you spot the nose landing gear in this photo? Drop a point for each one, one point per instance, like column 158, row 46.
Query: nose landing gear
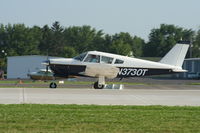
column 53, row 85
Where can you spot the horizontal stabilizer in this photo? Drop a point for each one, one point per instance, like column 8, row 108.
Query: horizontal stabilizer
column 179, row 70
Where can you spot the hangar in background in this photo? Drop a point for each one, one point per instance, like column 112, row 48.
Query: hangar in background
column 193, row 67
column 20, row 66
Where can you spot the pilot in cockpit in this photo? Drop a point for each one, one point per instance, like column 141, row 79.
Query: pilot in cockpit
column 94, row 58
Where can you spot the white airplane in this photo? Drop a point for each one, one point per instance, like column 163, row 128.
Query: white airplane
column 103, row 65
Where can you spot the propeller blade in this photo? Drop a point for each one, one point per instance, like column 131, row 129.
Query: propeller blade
column 47, row 69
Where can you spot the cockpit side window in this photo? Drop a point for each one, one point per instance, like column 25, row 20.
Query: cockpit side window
column 118, row 61
column 92, row 58
column 107, row 60
column 80, row 57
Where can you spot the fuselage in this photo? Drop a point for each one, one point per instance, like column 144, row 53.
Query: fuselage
column 128, row 66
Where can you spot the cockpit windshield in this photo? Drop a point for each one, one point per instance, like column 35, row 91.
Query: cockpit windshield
column 80, row 57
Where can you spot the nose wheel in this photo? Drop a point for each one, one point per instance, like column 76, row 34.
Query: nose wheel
column 53, row 85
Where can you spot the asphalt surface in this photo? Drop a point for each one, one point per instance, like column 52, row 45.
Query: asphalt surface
column 152, row 91
column 170, row 96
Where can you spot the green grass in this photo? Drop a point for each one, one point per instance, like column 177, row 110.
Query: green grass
column 194, row 84
column 33, row 84
column 17, row 81
column 98, row 119
column 39, row 82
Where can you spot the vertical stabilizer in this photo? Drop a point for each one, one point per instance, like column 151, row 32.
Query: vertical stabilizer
column 176, row 55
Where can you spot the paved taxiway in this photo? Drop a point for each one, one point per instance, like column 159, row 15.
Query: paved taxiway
column 100, row 97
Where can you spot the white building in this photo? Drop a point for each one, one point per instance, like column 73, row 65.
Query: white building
column 20, row 66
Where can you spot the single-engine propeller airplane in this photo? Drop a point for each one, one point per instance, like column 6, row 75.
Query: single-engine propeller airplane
column 103, row 65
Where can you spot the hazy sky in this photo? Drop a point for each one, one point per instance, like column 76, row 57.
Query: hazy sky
column 137, row 17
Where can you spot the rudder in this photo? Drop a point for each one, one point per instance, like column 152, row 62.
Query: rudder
column 176, row 55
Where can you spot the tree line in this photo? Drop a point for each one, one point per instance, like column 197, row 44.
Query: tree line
column 56, row 40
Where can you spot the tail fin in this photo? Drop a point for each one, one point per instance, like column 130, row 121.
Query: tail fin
column 176, row 55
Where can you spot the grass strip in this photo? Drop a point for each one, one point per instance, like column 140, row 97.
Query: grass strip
column 98, row 119
column 194, row 84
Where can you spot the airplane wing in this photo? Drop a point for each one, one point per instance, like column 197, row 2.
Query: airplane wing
column 98, row 70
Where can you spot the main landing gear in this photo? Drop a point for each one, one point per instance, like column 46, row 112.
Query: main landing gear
column 100, row 83
column 98, row 86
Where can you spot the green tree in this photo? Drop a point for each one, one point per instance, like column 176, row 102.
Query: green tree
column 98, row 42
column 21, row 40
column 83, row 38
column 53, row 42
column 57, row 40
column 34, row 38
column 119, row 47
column 105, row 46
column 68, row 51
column 45, row 43
column 196, row 45
column 161, row 40
column 3, row 47
column 137, row 46
column 123, row 43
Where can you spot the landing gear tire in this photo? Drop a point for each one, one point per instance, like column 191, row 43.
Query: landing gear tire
column 53, row 85
column 98, row 86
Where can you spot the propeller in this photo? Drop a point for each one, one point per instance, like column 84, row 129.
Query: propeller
column 28, row 74
column 46, row 63
column 47, row 69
